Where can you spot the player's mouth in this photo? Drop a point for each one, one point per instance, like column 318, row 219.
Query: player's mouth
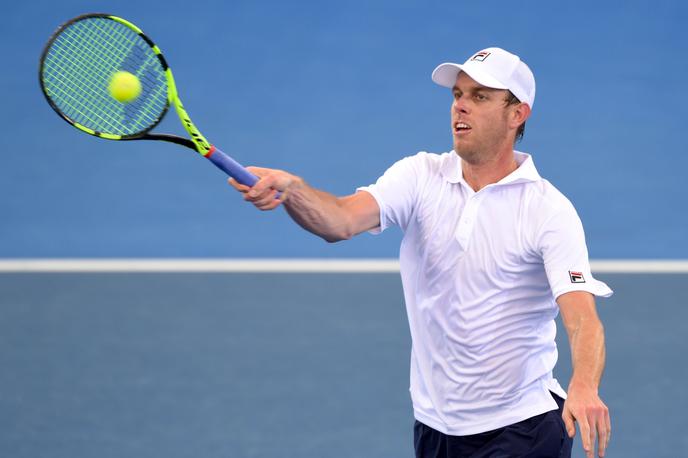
column 461, row 128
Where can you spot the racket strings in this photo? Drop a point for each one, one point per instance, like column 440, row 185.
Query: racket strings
column 86, row 106
column 77, row 69
column 138, row 59
column 78, row 57
column 92, row 58
column 95, row 91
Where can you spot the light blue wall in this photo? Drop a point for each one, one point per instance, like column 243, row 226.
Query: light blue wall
column 336, row 92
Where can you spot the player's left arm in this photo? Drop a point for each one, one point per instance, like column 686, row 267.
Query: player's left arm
column 583, row 404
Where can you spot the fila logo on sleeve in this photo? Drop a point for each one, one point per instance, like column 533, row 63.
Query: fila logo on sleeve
column 576, row 277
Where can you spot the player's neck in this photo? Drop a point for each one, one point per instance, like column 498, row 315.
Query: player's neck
column 480, row 174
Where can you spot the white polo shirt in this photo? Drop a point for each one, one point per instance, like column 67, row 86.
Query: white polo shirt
column 481, row 272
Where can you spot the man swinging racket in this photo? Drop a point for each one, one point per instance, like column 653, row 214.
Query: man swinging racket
column 491, row 253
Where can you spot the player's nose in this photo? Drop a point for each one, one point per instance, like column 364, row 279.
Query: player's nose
column 459, row 105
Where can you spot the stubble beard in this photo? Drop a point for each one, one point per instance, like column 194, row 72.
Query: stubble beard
column 483, row 150
column 477, row 154
column 472, row 156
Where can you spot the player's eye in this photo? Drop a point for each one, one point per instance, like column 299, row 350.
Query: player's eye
column 480, row 97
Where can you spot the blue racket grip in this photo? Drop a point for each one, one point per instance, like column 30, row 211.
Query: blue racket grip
column 231, row 167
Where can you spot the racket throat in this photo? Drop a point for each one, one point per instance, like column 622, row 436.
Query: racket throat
column 202, row 145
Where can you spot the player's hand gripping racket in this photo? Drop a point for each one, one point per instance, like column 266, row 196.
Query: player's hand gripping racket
column 90, row 53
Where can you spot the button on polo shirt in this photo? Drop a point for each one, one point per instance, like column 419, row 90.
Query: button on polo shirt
column 481, row 272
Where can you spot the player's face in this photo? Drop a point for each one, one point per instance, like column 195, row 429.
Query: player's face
column 479, row 120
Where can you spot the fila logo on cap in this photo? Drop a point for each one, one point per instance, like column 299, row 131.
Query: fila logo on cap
column 481, row 56
column 576, row 277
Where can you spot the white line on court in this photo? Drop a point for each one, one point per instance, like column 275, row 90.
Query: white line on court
column 287, row 265
column 200, row 265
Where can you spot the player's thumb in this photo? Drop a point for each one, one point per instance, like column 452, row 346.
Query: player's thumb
column 257, row 171
column 568, row 422
column 233, row 183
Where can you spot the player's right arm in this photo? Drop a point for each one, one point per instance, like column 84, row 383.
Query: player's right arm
column 330, row 217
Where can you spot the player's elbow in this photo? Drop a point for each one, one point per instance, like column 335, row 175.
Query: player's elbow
column 338, row 236
column 340, row 228
column 345, row 223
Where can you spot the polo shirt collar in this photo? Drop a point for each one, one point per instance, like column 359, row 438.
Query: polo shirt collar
column 526, row 172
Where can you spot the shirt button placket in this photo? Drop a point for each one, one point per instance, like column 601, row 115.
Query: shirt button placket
column 465, row 228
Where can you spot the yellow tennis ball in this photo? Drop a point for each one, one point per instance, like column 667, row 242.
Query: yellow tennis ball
column 124, row 87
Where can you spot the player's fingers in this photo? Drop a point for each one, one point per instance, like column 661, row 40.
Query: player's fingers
column 270, row 182
column 261, row 187
column 259, row 195
column 568, row 422
column 603, row 432
column 269, row 204
column 264, row 185
column 266, row 201
column 593, row 435
column 585, row 436
column 257, row 171
column 609, row 425
column 275, row 179
column 238, row 186
column 602, row 444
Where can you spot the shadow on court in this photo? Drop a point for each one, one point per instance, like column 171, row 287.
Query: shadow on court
column 277, row 365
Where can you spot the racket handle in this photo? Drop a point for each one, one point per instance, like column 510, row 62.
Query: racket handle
column 231, row 167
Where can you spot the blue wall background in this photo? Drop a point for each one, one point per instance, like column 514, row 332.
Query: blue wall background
column 336, row 92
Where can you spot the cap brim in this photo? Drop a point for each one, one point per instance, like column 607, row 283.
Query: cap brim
column 445, row 75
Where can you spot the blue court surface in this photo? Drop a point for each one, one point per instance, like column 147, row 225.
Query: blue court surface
column 253, row 365
column 264, row 365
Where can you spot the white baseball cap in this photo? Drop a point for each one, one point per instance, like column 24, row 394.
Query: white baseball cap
column 495, row 68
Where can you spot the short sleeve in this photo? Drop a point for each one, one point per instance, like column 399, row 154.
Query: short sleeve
column 565, row 255
column 395, row 192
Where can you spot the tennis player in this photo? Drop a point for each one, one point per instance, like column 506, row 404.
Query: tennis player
column 491, row 253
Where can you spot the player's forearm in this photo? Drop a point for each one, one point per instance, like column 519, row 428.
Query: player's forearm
column 318, row 212
column 587, row 353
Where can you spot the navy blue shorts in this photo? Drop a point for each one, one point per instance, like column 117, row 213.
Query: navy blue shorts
column 541, row 436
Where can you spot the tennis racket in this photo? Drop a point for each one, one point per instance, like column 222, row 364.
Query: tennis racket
column 76, row 68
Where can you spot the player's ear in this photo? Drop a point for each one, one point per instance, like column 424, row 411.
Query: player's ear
column 519, row 114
